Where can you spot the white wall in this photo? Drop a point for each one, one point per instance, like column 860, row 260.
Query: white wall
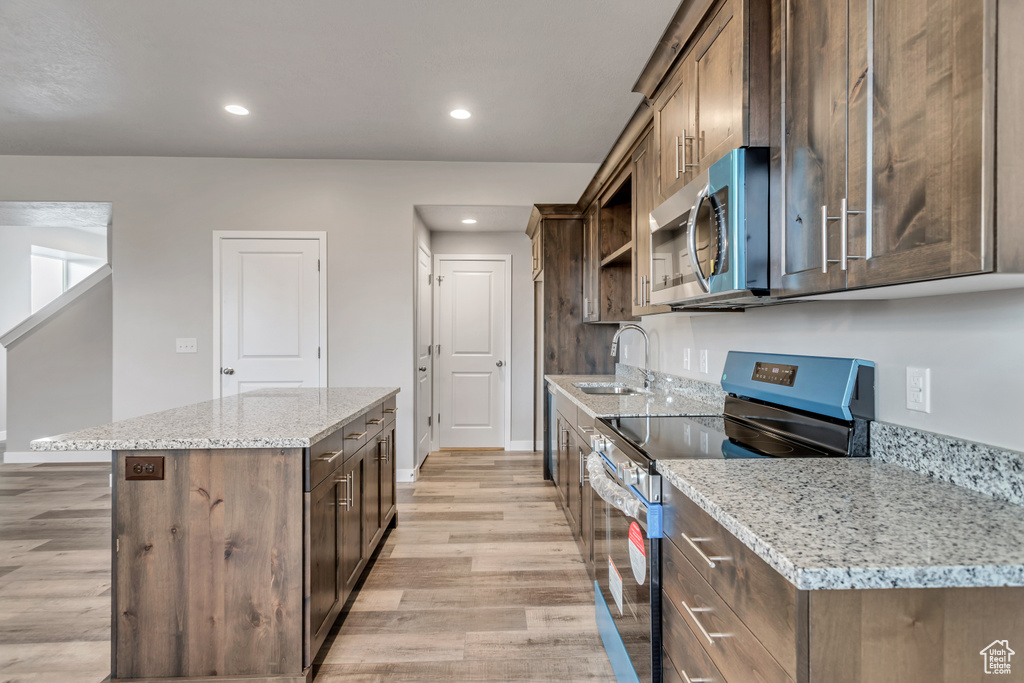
column 16, row 277
column 166, row 208
column 521, row 364
column 60, row 378
column 973, row 343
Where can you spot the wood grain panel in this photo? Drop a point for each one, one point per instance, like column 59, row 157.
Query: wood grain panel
column 210, row 574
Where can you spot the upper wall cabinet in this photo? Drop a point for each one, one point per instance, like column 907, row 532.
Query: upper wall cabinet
column 608, row 252
column 884, row 168
column 645, row 175
column 717, row 98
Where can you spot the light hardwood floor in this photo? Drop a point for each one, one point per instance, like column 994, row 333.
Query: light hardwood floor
column 481, row 581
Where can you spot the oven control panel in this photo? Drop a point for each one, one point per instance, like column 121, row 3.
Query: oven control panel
column 775, row 373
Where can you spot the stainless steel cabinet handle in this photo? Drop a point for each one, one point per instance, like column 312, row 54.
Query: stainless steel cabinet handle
column 677, row 156
column 710, row 636
column 685, row 165
column 844, row 227
column 351, row 485
column 344, row 501
column 227, row 371
column 331, row 457
column 391, row 411
column 375, row 421
column 586, row 430
column 500, row 363
column 583, row 469
column 693, row 544
column 381, row 449
column 643, row 289
column 687, row 679
column 356, row 436
column 825, row 218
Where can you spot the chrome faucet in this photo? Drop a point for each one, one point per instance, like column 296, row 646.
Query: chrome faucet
column 647, row 350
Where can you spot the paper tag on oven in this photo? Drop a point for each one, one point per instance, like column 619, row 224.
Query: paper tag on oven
column 615, row 584
column 637, row 556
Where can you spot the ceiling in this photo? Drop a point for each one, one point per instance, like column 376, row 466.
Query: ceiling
column 91, row 217
column 488, row 218
column 546, row 81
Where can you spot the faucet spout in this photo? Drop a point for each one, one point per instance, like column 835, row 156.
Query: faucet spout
column 647, row 350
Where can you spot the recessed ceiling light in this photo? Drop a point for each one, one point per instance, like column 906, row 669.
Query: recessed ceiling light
column 469, row 221
column 236, row 109
column 460, row 114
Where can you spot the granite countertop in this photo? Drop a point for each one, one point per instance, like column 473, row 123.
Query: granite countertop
column 685, row 401
column 268, row 418
column 857, row 523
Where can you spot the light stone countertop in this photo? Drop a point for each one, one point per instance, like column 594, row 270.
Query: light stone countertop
column 837, row 523
column 268, row 418
column 657, row 402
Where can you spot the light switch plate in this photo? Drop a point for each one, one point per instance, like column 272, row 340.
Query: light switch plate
column 704, row 361
column 919, row 389
column 686, row 358
column 185, row 345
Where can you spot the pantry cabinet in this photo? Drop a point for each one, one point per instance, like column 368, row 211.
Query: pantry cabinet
column 884, row 169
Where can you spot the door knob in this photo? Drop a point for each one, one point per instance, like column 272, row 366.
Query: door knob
column 228, row 371
column 423, row 368
column 500, row 363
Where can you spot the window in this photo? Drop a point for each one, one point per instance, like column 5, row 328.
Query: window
column 55, row 272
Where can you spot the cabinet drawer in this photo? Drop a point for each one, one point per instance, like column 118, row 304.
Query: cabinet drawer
column 355, row 434
column 685, row 655
column 566, row 408
column 738, row 655
column 585, row 427
column 390, row 409
column 325, row 456
column 759, row 595
column 374, row 420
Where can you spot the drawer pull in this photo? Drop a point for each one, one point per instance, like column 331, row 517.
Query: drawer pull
column 375, row 421
column 356, row 436
column 330, row 457
column 391, row 411
column 693, row 544
column 710, row 636
column 687, row 679
column 587, row 430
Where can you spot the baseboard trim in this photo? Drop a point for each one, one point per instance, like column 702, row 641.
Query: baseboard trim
column 526, row 445
column 36, row 457
column 407, row 476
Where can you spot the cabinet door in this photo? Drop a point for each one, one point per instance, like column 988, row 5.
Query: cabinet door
column 675, row 126
column 573, row 497
column 538, row 253
column 719, row 68
column 926, row 171
column 351, row 524
column 387, row 476
column 645, row 186
column 563, row 465
column 815, row 166
column 371, row 493
column 591, row 264
column 324, row 551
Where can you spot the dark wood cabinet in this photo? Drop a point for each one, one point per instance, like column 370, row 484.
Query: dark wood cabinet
column 645, row 179
column 586, row 510
column 388, row 472
column 591, row 275
column 350, row 523
column 325, row 588
column 572, row 496
column 717, row 98
column 372, row 529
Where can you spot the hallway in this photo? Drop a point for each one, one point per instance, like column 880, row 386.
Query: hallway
column 481, row 581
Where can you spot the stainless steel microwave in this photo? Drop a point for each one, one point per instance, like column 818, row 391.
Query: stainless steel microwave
column 709, row 241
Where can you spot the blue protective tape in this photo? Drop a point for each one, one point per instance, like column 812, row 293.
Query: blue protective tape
column 822, row 385
column 613, row 645
column 654, row 521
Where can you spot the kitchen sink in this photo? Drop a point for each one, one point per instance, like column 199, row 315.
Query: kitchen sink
column 608, row 389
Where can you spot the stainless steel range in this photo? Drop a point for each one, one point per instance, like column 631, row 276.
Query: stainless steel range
column 778, row 406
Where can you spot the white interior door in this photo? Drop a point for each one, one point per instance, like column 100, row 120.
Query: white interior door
column 270, row 326
column 473, row 331
column 424, row 356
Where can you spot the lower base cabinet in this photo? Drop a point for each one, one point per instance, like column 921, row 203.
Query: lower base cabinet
column 574, row 491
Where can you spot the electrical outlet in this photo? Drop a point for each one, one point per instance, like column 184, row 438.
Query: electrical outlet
column 919, row 389
column 686, row 358
column 704, row 361
column 185, row 345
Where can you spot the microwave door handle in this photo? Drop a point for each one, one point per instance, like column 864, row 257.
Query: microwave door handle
column 691, row 238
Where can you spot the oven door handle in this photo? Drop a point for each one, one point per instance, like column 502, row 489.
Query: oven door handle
column 610, row 492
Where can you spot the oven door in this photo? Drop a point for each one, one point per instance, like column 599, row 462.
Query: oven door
column 627, row 581
column 690, row 245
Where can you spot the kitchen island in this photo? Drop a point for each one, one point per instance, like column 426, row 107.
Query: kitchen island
column 240, row 527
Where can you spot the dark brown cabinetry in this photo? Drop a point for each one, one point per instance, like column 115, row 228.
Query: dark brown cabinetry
column 885, row 145
column 591, row 277
column 645, row 179
column 717, row 98
column 574, row 491
column 608, row 252
column 325, row 587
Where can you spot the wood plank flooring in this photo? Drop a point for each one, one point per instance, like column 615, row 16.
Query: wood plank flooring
column 54, row 573
column 481, row 581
